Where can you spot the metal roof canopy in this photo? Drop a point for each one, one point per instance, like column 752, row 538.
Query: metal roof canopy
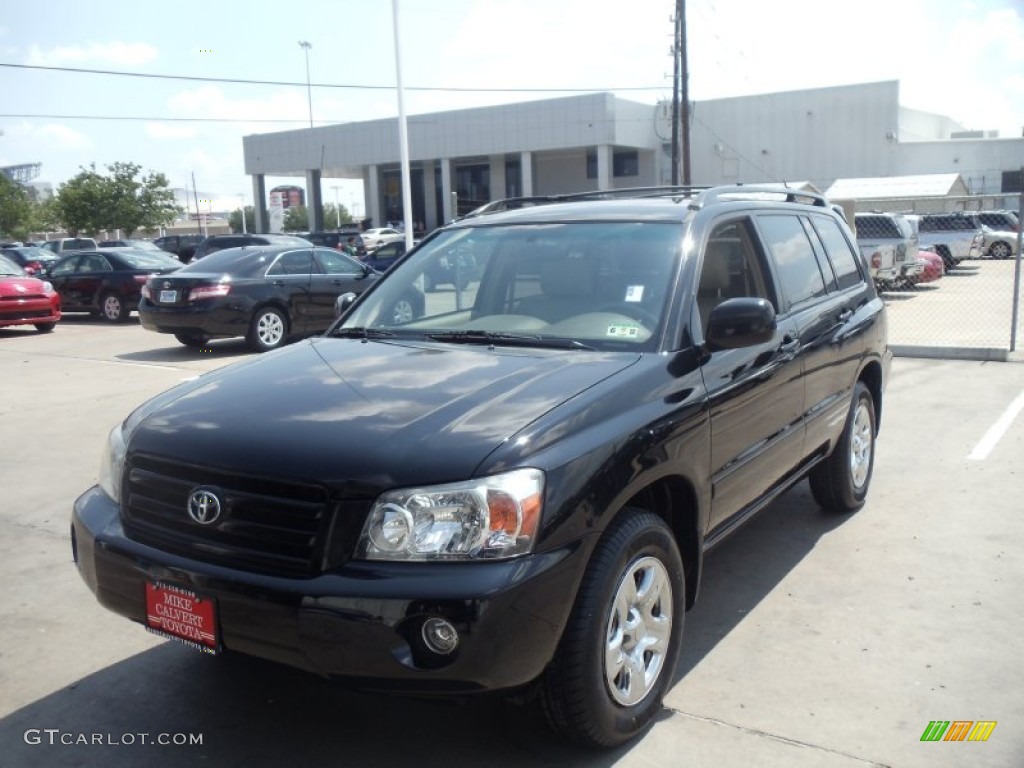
column 887, row 187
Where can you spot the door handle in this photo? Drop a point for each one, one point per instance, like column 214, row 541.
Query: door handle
column 789, row 346
column 845, row 315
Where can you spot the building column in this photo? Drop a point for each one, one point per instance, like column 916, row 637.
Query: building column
column 371, row 184
column 314, row 201
column 259, row 201
column 604, row 166
column 497, row 190
column 429, row 196
column 526, row 172
column 446, row 190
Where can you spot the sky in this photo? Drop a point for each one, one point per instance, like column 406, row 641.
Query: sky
column 961, row 58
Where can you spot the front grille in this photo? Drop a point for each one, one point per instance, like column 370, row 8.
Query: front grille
column 7, row 313
column 265, row 525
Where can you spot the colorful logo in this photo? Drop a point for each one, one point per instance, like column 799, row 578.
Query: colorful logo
column 958, row 730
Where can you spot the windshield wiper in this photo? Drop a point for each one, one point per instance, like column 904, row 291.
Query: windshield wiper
column 507, row 339
column 362, row 333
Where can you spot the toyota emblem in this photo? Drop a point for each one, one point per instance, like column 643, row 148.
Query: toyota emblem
column 204, row 507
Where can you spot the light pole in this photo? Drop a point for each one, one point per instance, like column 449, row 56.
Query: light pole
column 241, row 205
column 309, row 92
column 337, row 206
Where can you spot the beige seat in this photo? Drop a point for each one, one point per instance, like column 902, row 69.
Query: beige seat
column 567, row 289
column 715, row 279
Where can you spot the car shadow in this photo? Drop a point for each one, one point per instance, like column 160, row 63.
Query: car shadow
column 221, row 348
column 254, row 713
column 753, row 561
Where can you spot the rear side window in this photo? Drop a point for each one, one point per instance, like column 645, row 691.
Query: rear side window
column 799, row 275
column 839, row 250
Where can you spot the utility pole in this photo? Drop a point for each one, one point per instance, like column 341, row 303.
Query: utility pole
column 675, row 94
column 685, row 87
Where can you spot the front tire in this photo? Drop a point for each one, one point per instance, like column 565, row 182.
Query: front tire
column 45, row 327
column 268, row 330
column 999, row 250
column 840, row 483
column 620, row 647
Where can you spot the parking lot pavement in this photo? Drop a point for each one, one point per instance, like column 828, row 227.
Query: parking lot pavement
column 818, row 641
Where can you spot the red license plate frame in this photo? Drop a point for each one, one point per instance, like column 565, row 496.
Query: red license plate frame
column 180, row 614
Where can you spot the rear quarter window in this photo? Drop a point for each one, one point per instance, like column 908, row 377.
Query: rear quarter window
column 842, row 255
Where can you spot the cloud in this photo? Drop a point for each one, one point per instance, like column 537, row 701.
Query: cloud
column 124, row 54
column 171, row 131
column 63, row 137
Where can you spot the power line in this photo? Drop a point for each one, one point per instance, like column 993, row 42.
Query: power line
column 352, row 86
column 153, row 119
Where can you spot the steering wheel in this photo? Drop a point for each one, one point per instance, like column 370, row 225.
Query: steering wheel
column 634, row 311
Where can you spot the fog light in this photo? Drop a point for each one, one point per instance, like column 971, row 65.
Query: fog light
column 440, row 636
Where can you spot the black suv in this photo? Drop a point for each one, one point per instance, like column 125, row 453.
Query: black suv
column 215, row 243
column 515, row 489
column 339, row 239
column 182, row 246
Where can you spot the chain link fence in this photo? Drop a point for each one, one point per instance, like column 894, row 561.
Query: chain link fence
column 975, row 309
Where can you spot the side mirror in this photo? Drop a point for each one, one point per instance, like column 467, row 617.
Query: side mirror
column 343, row 302
column 739, row 323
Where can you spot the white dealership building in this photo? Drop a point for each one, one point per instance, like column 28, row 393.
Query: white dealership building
column 464, row 158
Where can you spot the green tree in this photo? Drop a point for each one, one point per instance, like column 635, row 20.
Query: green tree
column 15, row 208
column 296, row 219
column 45, row 216
column 82, row 201
column 235, row 219
column 331, row 216
column 123, row 200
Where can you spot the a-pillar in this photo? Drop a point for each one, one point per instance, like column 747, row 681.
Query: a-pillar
column 259, row 201
column 314, row 201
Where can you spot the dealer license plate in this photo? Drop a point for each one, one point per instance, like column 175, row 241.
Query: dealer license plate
column 168, row 297
column 180, row 614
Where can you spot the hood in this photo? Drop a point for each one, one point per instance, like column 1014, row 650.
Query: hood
column 22, row 286
column 367, row 415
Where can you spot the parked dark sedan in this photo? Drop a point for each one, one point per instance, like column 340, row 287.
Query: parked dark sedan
column 385, row 257
column 266, row 294
column 106, row 283
column 32, row 260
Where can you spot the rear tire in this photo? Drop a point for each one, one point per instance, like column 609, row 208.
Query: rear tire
column 840, row 483
column 999, row 250
column 947, row 257
column 192, row 340
column 620, row 647
column 268, row 330
column 45, row 327
column 112, row 308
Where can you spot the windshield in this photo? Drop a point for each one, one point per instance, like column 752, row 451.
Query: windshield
column 602, row 285
column 9, row 269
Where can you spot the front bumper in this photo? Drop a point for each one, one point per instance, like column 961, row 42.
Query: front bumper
column 362, row 621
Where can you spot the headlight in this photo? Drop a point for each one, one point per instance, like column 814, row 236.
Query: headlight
column 489, row 518
column 112, row 464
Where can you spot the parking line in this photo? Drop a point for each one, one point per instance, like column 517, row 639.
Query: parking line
column 997, row 430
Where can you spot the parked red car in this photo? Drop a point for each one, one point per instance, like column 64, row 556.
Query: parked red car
column 25, row 300
column 934, row 267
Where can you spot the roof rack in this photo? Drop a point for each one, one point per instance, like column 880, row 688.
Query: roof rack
column 758, row 191
column 512, row 203
column 703, row 195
